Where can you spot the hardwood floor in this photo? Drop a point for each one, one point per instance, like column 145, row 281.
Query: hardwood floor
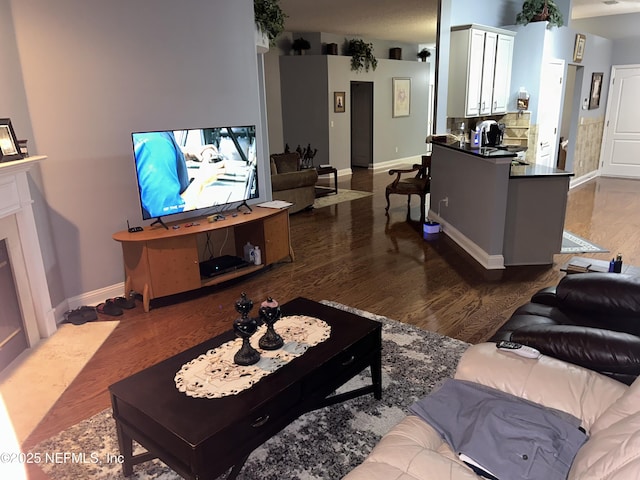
column 353, row 254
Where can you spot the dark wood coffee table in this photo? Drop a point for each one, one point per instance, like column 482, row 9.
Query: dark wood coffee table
column 203, row 438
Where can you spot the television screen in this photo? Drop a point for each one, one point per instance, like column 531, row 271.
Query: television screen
column 184, row 170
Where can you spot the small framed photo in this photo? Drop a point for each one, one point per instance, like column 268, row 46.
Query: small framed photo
column 401, row 97
column 578, row 49
column 338, row 102
column 596, row 89
column 9, row 146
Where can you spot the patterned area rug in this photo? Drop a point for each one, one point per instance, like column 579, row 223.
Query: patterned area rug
column 343, row 195
column 320, row 445
column 572, row 243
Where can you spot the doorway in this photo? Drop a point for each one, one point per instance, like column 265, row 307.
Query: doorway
column 621, row 141
column 550, row 102
column 362, row 124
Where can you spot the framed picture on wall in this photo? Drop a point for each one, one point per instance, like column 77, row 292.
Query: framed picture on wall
column 9, row 147
column 578, row 49
column 596, row 89
column 401, row 97
column 338, row 102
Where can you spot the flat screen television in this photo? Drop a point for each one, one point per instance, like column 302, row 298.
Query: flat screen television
column 186, row 170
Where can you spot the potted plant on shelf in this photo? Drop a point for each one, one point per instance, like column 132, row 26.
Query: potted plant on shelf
column 540, row 11
column 361, row 55
column 269, row 18
column 300, row 45
column 424, row 54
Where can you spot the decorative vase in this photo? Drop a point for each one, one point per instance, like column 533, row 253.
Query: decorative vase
column 244, row 327
column 332, row 49
column 270, row 313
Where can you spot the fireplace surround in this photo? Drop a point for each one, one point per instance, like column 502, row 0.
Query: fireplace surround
column 18, row 228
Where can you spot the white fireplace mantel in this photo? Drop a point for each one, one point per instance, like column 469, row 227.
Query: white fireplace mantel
column 18, row 226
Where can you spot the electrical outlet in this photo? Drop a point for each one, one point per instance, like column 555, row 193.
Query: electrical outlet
column 445, row 200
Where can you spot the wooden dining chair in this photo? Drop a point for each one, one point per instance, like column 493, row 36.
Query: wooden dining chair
column 418, row 184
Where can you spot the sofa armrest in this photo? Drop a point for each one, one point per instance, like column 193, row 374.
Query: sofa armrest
column 546, row 296
column 412, row 450
column 299, row 179
column 610, row 293
column 546, row 380
column 605, row 351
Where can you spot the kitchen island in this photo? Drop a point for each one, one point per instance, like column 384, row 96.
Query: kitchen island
column 499, row 211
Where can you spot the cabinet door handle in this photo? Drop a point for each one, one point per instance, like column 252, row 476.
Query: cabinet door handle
column 348, row 361
column 260, row 421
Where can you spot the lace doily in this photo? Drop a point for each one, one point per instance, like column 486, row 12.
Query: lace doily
column 214, row 374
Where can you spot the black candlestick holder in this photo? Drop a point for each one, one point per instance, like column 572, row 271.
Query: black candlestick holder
column 244, row 327
column 270, row 313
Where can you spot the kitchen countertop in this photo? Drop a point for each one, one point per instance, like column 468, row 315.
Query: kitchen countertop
column 518, row 170
column 534, row 170
column 483, row 152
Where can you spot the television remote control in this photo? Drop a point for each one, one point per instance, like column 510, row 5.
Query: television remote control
column 518, row 349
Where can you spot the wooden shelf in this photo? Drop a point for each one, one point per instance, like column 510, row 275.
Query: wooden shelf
column 241, row 272
column 160, row 262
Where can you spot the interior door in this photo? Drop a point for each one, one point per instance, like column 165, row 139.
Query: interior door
column 549, row 106
column 362, row 124
column 621, row 146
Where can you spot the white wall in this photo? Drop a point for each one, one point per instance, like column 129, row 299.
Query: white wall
column 96, row 71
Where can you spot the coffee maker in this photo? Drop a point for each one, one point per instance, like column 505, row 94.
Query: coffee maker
column 495, row 134
column 491, row 133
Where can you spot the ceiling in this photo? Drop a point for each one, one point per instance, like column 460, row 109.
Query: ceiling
column 414, row 21
column 600, row 8
column 411, row 21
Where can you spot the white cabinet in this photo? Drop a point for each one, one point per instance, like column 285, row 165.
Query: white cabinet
column 502, row 75
column 479, row 70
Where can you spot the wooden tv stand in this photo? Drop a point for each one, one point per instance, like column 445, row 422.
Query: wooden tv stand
column 160, row 262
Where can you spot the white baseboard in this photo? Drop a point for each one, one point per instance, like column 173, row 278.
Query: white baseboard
column 398, row 162
column 89, row 298
column 490, row 262
column 574, row 182
column 344, row 172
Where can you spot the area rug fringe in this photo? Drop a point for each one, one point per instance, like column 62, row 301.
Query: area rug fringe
column 572, row 243
column 324, row 444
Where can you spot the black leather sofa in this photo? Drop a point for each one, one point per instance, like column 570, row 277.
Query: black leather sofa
column 589, row 319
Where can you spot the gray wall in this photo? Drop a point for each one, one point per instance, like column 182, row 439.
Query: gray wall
column 93, row 72
column 303, row 88
column 307, row 86
column 626, row 51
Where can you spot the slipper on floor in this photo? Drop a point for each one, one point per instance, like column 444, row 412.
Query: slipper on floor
column 124, row 302
column 80, row 315
column 109, row 308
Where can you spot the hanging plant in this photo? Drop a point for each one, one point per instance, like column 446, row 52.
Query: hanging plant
column 540, row 11
column 269, row 18
column 361, row 55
